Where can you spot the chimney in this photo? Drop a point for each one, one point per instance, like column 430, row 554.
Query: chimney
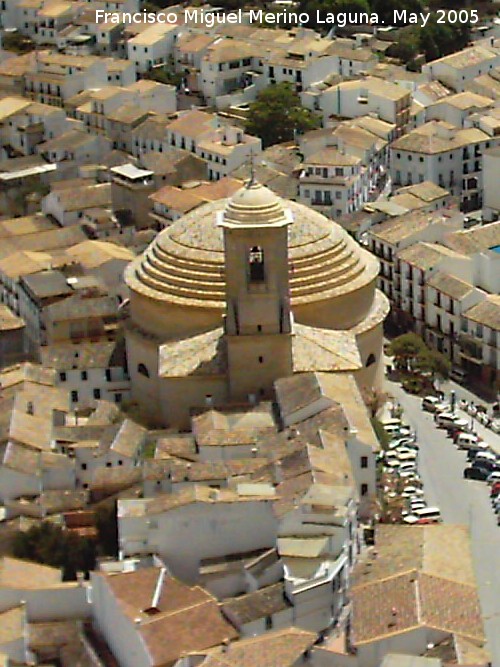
column 157, row 592
column 231, row 136
column 278, row 472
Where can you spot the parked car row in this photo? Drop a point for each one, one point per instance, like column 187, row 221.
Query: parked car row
column 400, row 460
column 484, row 465
column 483, row 462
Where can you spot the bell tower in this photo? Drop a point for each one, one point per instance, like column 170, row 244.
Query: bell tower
column 258, row 320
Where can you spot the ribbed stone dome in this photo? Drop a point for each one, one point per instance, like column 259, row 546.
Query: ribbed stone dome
column 185, row 263
column 254, row 205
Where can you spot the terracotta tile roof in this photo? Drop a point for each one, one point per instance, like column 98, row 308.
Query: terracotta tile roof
column 425, row 256
column 202, row 354
column 486, row 312
column 281, row 648
column 178, row 199
column 178, row 446
column 134, row 592
column 466, row 58
column 316, row 349
column 438, row 137
column 476, row 239
column 214, row 470
column 23, row 574
column 451, row 606
column 190, row 495
column 256, row 605
column 8, row 320
column 12, row 625
column 449, row 285
column 168, row 630
column 332, row 157
column 427, row 548
column 218, row 428
column 422, row 576
column 192, row 43
column 172, row 636
column 297, row 391
column 384, row 608
column 130, row 439
column 193, row 123
column 91, row 196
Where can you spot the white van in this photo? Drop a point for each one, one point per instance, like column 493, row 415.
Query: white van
column 468, row 441
column 391, row 421
column 428, row 513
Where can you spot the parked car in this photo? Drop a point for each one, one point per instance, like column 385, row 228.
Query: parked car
column 459, row 424
column 450, row 421
column 494, row 477
column 406, row 441
column 417, row 505
column 411, row 491
column 409, row 475
column 472, row 454
column 483, row 455
column 495, row 488
column 412, row 453
column 485, row 464
column 429, row 403
column 458, row 375
column 428, row 513
column 394, row 431
column 476, row 473
column 466, row 440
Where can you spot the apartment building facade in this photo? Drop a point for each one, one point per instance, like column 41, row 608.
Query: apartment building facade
column 446, row 155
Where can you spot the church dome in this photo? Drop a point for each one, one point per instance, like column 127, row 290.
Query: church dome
column 254, row 204
column 332, row 279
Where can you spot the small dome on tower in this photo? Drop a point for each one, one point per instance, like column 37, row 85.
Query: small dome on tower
column 254, row 204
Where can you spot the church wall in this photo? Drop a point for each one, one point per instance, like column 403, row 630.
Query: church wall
column 177, row 396
column 256, row 362
column 169, row 321
column 141, row 350
column 371, row 342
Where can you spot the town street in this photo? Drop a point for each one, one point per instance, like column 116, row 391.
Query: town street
column 460, row 501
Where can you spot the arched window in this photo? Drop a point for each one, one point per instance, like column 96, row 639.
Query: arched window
column 141, row 368
column 371, row 360
column 30, row 410
column 256, row 264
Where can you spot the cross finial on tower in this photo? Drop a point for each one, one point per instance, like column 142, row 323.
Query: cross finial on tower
column 252, row 169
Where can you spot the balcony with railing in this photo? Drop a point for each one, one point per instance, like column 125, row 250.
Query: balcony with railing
column 470, row 348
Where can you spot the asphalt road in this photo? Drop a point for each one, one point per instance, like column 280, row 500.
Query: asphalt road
column 460, row 501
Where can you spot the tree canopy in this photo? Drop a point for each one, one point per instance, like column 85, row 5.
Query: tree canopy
column 277, row 114
column 433, row 41
column 51, row 545
column 411, row 354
